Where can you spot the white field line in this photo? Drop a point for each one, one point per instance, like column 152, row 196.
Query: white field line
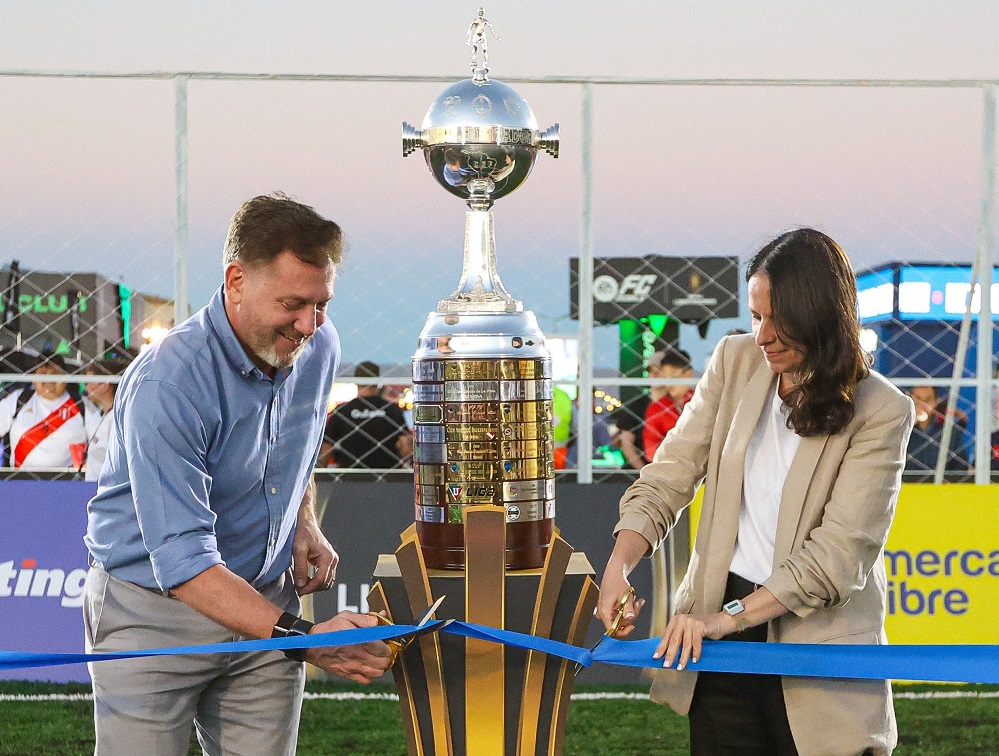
column 610, row 696
column 949, row 694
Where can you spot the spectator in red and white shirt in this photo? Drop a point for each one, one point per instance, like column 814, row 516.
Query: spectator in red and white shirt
column 666, row 401
column 43, row 423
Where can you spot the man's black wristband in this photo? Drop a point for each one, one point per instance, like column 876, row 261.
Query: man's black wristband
column 289, row 625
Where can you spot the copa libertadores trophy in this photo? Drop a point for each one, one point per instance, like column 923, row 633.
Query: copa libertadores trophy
column 482, row 374
column 484, row 535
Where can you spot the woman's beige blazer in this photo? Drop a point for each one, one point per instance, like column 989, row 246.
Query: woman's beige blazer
column 836, row 508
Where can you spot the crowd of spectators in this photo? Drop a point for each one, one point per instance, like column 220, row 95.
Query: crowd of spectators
column 51, row 424
column 641, row 424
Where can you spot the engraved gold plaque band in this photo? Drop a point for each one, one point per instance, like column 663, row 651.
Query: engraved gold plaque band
column 486, row 432
column 472, row 412
column 490, row 412
column 430, row 371
column 506, row 470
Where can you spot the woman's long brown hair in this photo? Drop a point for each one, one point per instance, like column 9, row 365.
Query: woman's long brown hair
column 813, row 300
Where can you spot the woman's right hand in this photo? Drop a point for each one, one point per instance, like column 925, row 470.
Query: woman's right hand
column 614, row 585
column 612, row 590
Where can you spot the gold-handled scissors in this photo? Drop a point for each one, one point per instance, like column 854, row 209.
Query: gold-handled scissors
column 398, row 644
column 615, row 625
column 620, row 612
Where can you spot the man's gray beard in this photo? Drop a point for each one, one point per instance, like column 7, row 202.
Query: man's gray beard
column 270, row 356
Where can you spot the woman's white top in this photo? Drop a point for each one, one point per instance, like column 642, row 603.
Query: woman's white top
column 768, row 458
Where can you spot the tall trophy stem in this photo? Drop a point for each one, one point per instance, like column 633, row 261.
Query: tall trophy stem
column 480, row 288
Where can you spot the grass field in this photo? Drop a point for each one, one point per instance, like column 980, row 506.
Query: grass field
column 952, row 726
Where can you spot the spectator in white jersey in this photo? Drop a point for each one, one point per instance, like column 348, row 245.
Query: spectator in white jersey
column 42, row 424
column 98, row 417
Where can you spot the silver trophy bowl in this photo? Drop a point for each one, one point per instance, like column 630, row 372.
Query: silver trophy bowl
column 480, row 139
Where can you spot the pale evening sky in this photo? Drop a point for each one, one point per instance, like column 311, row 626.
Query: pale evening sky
column 87, row 166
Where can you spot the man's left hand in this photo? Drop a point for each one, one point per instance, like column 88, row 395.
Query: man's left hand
column 313, row 558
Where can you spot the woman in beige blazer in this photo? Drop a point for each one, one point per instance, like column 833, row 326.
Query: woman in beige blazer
column 798, row 401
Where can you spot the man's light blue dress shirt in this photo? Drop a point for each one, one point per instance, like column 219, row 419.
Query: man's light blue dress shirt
column 208, row 458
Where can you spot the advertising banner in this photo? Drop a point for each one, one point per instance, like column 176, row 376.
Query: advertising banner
column 689, row 289
column 942, row 559
column 43, row 566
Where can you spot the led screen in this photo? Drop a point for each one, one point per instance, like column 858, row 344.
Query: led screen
column 924, row 292
column 939, row 293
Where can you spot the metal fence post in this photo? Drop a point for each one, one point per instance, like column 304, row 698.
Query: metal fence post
column 180, row 251
column 584, row 424
column 986, row 257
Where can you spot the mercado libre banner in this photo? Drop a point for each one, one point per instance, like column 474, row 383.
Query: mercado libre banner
column 942, row 559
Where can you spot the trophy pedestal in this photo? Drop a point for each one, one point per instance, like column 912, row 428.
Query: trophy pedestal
column 467, row 697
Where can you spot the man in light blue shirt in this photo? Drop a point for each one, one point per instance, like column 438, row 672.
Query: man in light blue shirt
column 203, row 528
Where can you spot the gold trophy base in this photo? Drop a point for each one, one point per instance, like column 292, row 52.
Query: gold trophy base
column 467, row 697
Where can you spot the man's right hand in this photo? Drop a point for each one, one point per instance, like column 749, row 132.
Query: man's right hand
column 359, row 663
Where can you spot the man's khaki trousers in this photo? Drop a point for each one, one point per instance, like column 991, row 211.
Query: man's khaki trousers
column 246, row 703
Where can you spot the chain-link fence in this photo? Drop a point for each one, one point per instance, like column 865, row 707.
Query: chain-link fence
column 113, row 228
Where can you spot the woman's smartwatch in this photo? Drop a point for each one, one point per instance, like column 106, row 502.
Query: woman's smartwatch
column 733, row 608
column 289, row 625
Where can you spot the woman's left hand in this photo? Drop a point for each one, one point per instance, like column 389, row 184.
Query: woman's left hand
column 684, row 634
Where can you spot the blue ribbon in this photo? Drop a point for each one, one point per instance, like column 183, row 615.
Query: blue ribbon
column 956, row 663
column 952, row 663
column 581, row 656
column 19, row 660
